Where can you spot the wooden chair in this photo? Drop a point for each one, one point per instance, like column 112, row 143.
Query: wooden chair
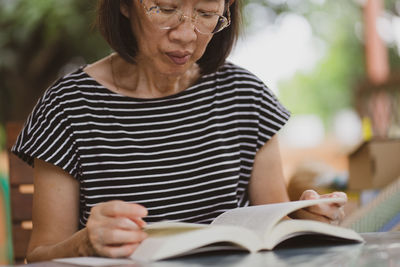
column 382, row 214
column 21, row 190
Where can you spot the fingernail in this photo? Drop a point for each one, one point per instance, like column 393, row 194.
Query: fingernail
column 339, row 195
column 143, row 211
column 312, row 194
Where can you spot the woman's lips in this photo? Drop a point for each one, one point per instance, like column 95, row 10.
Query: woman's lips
column 179, row 58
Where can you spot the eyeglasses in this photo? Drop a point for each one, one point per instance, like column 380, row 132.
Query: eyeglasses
column 168, row 16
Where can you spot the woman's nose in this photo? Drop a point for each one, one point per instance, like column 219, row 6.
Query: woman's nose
column 185, row 31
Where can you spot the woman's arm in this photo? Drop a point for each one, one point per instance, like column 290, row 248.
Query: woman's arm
column 55, row 215
column 267, row 185
column 113, row 228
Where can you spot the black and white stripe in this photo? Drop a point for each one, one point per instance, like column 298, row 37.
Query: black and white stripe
column 185, row 157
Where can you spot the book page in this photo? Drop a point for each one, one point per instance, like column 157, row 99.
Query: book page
column 94, row 261
column 167, row 239
column 290, row 228
column 262, row 218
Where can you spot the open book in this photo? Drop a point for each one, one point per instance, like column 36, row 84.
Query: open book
column 251, row 228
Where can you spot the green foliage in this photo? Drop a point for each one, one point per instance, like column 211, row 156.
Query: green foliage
column 330, row 85
column 37, row 39
column 46, row 21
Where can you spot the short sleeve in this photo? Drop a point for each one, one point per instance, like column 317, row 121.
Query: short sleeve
column 47, row 133
column 273, row 116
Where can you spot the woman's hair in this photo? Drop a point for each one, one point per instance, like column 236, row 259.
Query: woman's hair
column 116, row 30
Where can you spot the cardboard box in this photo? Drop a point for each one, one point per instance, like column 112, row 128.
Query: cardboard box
column 374, row 164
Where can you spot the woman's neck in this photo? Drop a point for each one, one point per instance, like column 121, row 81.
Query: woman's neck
column 135, row 80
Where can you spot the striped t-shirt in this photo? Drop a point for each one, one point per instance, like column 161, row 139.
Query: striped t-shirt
column 185, row 157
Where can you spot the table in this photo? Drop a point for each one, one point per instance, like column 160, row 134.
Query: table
column 381, row 249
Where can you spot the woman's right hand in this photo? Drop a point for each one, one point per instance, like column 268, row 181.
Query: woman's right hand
column 115, row 228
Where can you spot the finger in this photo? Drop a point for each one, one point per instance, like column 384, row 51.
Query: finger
column 124, row 223
column 118, row 237
column 337, row 194
column 341, row 214
column 336, row 222
column 329, row 211
column 118, row 208
column 332, row 212
column 135, row 223
column 305, row 214
column 140, row 222
column 118, row 251
column 309, row 194
column 341, row 196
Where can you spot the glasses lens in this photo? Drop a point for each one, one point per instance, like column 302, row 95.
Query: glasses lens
column 210, row 23
column 167, row 16
column 164, row 16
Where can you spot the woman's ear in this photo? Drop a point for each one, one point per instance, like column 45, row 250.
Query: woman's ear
column 124, row 8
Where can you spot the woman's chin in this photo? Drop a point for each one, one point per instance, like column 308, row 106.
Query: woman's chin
column 177, row 70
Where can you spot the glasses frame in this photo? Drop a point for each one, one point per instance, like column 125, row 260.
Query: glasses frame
column 192, row 19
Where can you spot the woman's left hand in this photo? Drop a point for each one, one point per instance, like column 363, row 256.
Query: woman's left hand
column 332, row 213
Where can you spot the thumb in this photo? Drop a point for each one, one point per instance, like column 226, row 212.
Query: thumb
column 309, row 194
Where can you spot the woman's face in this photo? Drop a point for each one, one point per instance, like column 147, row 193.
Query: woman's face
column 170, row 51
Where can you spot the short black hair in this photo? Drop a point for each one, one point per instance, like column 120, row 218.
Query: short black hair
column 116, row 30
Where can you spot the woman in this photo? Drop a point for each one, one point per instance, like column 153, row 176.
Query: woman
column 162, row 129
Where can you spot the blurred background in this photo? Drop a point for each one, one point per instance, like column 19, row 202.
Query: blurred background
column 326, row 61
column 334, row 64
